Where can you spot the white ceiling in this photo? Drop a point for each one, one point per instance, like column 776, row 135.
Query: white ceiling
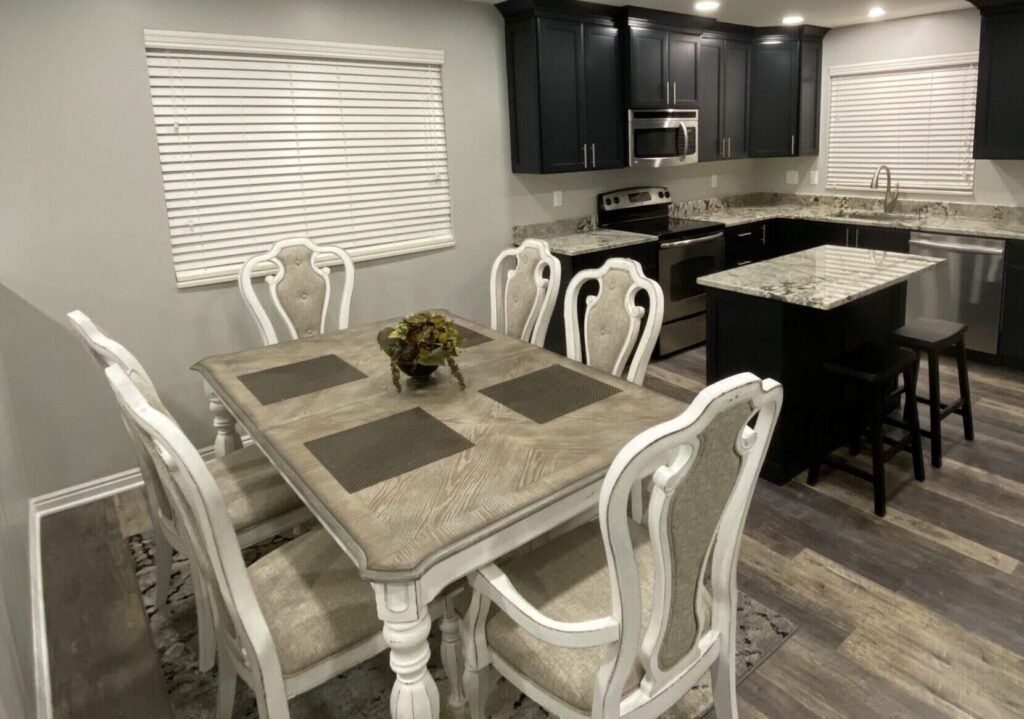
column 828, row 13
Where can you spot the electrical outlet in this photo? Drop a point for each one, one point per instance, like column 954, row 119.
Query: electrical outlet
column 792, row 177
column 812, row 177
column 557, row 199
column 714, row 181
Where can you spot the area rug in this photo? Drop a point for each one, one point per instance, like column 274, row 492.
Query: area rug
column 364, row 691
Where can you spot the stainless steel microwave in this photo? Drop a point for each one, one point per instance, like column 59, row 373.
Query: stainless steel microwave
column 659, row 138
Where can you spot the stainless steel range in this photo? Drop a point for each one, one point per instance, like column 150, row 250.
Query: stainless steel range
column 688, row 249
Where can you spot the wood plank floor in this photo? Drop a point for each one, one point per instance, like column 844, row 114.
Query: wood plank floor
column 920, row 614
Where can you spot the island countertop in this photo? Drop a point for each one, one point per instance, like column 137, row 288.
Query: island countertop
column 822, row 277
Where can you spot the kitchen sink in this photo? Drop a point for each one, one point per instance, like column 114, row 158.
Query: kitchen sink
column 876, row 215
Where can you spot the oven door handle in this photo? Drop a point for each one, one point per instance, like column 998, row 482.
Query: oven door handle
column 691, row 241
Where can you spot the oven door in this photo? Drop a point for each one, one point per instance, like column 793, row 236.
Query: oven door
column 662, row 142
column 680, row 263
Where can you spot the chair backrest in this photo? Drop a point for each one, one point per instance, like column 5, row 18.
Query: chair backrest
column 704, row 466
column 612, row 321
column 110, row 353
column 522, row 298
column 241, row 626
column 299, row 287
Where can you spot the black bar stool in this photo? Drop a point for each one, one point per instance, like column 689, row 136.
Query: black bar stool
column 934, row 337
column 872, row 372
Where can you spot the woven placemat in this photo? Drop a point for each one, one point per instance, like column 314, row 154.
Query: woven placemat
column 373, row 452
column 299, row 378
column 472, row 338
column 549, row 393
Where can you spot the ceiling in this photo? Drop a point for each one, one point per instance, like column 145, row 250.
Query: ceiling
column 828, row 13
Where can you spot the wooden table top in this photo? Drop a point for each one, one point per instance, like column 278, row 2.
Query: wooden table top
column 398, row 528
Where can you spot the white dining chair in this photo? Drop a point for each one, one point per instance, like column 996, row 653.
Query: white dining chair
column 614, row 619
column 299, row 286
column 260, row 504
column 295, row 618
column 523, row 296
column 614, row 328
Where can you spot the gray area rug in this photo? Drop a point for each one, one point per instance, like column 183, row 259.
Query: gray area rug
column 364, row 691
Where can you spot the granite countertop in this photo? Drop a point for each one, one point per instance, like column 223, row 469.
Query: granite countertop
column 741, row 215
column 581, row 243
column 823, row 277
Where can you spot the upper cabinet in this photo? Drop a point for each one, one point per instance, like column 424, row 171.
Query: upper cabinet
column 663, row 59
column 566, row 107
column 785, row 94
column 723, row 97
column 999, row 124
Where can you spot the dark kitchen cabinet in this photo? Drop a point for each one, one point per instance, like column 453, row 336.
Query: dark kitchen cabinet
column 785, row 95
column 662, row 68
column 723, row 92
column 999, row 123
column 565, row 91
column 745, row 244
column 1011, row 334
column 890, row 239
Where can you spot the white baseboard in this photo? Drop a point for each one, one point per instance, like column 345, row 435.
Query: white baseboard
column 58, row 501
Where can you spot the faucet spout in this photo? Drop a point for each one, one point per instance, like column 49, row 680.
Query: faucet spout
column 889, row 203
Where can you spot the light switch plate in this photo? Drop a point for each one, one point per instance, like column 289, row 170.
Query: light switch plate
column 812, row 177
column 792, row 177
column 714, row 181
column 557, row 199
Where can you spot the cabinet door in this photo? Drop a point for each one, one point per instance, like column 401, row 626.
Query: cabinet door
column 1011, row 337
column 709, row 91
column 683, row 49
column 745, row 244
column 774, row 91
column 735, row 94
column 560, row 51
column 810, row 97
column 1000, row 117
column 605, row 116
column 890, row 239
column 648, row 68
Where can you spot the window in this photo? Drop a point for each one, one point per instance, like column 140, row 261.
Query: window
column 264, row 139
column 916, row 116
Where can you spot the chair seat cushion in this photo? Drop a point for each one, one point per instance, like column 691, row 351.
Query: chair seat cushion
column 253, row 490
column 873, row 363
column 314, row 601
column 567, row 579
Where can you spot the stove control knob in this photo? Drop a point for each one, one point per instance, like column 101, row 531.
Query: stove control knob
column 661, row 194
column 607, row 200
column 667, row 194
column 616, row 200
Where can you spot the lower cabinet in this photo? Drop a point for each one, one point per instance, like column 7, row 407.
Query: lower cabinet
column 745, row 244
column 1011, row 335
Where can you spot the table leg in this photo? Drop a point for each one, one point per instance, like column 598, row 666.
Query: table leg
column 227, row 439
column 406, row 626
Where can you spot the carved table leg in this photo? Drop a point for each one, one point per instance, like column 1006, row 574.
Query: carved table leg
column 451, row 652
column 406, row 626
column 227, row 439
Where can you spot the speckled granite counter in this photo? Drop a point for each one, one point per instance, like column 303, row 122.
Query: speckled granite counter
column 581, row 243
column 823, row 277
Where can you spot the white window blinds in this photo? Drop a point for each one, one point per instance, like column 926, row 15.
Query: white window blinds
column 265, row 139
column 916, row 116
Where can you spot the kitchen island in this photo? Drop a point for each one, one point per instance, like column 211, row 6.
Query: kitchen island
column 785, row 317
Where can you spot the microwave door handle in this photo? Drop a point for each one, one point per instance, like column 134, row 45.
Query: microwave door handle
column 686, row 139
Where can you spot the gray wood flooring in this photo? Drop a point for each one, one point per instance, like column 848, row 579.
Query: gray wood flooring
column 919, row 614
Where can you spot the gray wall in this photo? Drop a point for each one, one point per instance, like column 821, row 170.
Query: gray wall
column 995, row 183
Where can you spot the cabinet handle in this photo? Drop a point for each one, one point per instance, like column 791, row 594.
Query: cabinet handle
column 856, row 237
column 764, row 234
column 721, row 147
column 745, row 262
column 745, row 234
column 584, row 157
column 666, row 93
column 593, row 155
column 728, row 147
column 792, row 144
column 847, row 236
column 674, row 100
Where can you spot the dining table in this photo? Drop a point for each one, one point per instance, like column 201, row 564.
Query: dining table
column 422, row 487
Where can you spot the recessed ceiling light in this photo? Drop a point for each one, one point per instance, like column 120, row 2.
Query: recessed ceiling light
column 876, row 11
column 792, row 20
column 706, row 5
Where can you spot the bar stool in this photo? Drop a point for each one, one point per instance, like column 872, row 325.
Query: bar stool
column 872, row 372
column 934, row 337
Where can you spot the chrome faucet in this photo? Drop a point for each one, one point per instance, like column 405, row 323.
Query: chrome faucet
column 890, row 202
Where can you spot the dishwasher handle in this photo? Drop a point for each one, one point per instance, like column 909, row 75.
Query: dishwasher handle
column 953, row 247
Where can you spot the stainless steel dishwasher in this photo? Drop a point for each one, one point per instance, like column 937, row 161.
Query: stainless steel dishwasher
column 967, row 288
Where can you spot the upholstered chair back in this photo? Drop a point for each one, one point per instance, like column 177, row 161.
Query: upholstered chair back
column 107, row 352
column 614, row 329
column 524, row 287
column 704, row 466
column 299, row 287
column 217, row 556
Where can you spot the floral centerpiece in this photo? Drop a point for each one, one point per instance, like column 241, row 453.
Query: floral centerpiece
column 421, row 343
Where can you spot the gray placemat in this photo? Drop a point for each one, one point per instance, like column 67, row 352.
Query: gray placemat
column 370, row 453
column 299, row 378
column 549, row 393
column 471, row 338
